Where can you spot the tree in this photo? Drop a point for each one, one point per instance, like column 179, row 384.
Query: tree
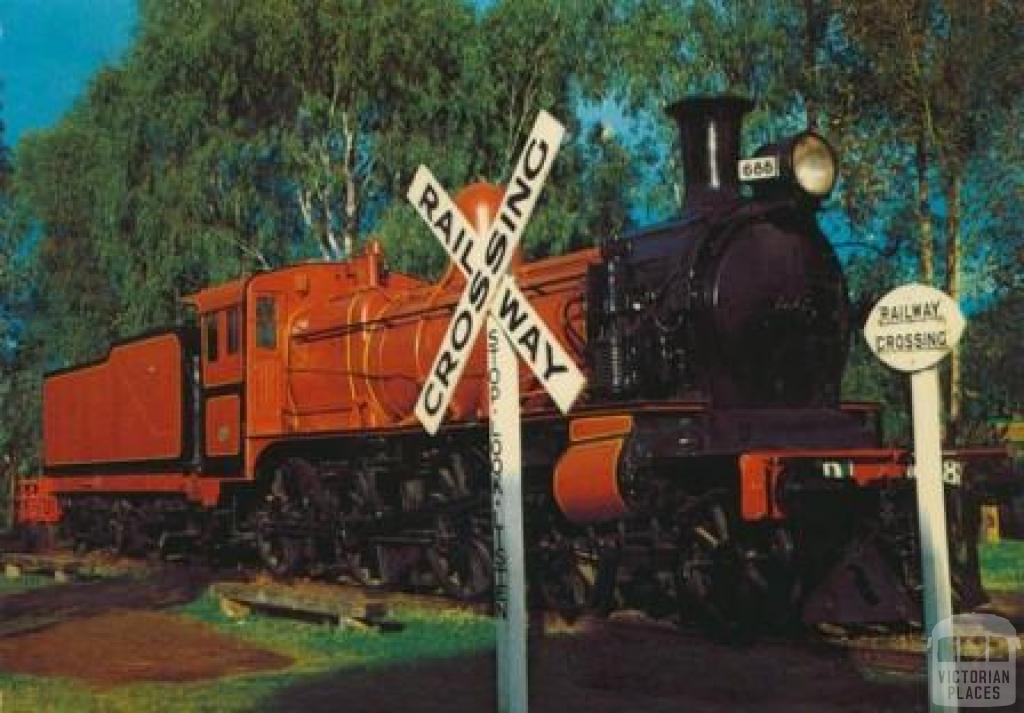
column 996, row 335
column 949, row 74
column 522, row 57
column 191, row 162
column 19, row 367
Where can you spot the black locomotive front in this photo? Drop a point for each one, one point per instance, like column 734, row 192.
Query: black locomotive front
column 724, row 335
column 741, row 303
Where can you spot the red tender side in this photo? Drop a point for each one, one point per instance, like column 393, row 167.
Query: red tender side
column 124, row 409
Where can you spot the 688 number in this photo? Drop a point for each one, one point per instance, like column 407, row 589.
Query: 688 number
column 757, row 169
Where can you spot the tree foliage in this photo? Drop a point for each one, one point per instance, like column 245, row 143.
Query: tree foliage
column 20, row 348
column 237, row 136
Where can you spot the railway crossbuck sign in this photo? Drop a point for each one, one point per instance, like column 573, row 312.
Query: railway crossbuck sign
column 513, row 326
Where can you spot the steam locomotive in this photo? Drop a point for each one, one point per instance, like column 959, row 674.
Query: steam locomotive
column 709, row 469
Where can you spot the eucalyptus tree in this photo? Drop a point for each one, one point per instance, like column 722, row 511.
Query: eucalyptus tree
column 946, row 79
column 20, row 367
column 518, row 58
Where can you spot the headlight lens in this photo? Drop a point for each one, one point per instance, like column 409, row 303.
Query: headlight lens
column 814, row 165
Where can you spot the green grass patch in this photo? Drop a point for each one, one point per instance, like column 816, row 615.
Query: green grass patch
column 13, row 585
column 316, row 649
column 1002, row 566
column 424, row 634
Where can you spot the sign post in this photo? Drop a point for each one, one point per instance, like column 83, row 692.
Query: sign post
column 513, row 327
column 911, row 329
column 507, row 518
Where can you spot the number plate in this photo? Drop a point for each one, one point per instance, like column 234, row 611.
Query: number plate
column 759, row 169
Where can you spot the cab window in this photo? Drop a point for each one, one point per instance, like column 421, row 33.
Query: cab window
column 210, row 331
column 266, row 322
column 234, row 330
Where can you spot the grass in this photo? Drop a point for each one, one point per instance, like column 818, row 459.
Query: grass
column 315, row 649
column 1002, row 566
column 318, row 650
column 13, row 585
column 425, row 634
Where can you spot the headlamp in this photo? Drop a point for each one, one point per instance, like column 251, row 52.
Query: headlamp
column 805, row 162
column 814, row 165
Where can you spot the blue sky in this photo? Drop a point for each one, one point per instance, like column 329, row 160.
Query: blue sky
column 48, row 51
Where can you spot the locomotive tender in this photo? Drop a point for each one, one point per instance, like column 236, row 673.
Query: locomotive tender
column 710, row 467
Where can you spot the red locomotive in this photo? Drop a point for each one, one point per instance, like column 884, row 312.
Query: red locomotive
column 709, row 466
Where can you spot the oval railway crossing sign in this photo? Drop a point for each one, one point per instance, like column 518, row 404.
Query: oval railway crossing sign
column 914, row 327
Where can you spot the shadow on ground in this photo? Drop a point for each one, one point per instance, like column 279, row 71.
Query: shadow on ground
column 616, row 672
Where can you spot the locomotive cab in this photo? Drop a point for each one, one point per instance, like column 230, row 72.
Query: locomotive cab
column 218, row 378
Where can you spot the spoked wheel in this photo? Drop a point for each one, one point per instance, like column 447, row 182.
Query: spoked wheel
column 720, row 582
column 128, row 533
column 460, row 559
column 280, row 541
column 363, row 565
column 359, row 556
column 358, row 517
column 564, row 586
column 281, row 555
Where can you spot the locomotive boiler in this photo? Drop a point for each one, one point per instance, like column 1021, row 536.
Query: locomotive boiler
column 710, row 468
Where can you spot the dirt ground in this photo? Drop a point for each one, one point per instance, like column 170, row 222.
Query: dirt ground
column 616, row 670
column 122, row 647
column 108, row 633
column 162, row 587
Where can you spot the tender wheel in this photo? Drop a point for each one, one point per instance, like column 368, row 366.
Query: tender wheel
column 128, row 531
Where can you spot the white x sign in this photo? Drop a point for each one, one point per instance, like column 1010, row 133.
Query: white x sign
column 519, row 321
column 485, row 268
column 491, row 293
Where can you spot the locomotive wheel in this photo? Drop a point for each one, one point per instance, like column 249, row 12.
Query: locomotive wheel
column 785, row 584
column 360, row 504
column 363, row 567
column 280, row 555
column 293, row 488
column 564, row 586
column 460, row 559
column 719, row 580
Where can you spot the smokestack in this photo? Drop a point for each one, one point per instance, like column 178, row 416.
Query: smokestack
column 709, row 136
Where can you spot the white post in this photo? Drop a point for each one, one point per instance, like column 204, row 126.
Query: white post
column 507, row 506
column 931, row 508
column 911, row 329
column 486, row 271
